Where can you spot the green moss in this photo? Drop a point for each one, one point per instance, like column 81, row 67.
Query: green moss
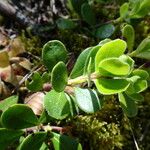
column 32, row 44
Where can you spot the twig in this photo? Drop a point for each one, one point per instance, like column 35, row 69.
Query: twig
column 145, row 132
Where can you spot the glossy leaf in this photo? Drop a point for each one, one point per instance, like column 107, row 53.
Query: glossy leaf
column 19, row 116
column 65, row 24
column 59, row 77
column 129, row 34
column 6, row 103
column 87, row 100
column 36, row 84
column 63, row 142
column 78, row 68
column 104, row 31
column 113, row 48
column 56, row 104
column 128, row 105
column 7, row 137
column 53, row 52
column 143, row 50
column 88, row 14
column 111, row 86
column 33, row 141
column 124, row 10
column 113, row 67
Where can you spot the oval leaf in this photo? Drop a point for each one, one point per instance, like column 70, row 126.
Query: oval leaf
column 141, row 73
column 143, row 50
column 91, row 56
column 113, row 48
column 33, row 141
column 104, row 31
column 59, row 77
column 88, row 14
column 87, row 100
column 76, row 4
column 57, row 105
column 7, row 137
column 124, row 10
column 65, row 24
column 18, row 116
column 128, row 105
column 129, row 34
column 111, row 86
column 36, row 84
column 113, row 67
column 6, row 103
column 63, row 142
column 53, row 52
column 78, row 68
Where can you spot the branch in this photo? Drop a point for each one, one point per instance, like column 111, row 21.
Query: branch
column 7, row 10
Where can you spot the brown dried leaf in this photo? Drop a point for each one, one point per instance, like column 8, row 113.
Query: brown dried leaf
column 16, row 47
column 4, row 91
column 7, row 75
column 35, row 102
column 3, row 39
column 25, row 64
column 4, row 59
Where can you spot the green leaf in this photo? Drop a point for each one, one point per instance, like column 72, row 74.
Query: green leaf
column 91, row 56
column 142, row 9
column 19, row 116
column 124, row 10
column 129, row 34
column 101, row 43
column 87, row 100
column 111, row 86
column 112, row 67
column 88, row 14
column 76, row 4
column 140, row 86
column 143, row 50
column 113, row 48
column 128, row 60
column 128, row 105
column 7, row 137
column 73, row 106
column 63, row 142
column 44, row 147
column 33, row 141
column 78, row 68
column 137, row 84
column 36, row 84
column 6, row 103
column 59, row 77
column 56, row 104
column 65, row 24
column 53, row 52
column 136, row 97
column 45, row 77
column 104, row 31
column 141, row 73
